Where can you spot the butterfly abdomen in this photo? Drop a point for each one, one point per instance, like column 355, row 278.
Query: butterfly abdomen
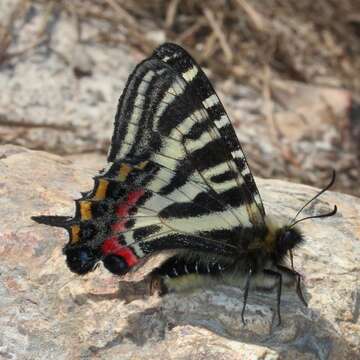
column 182, row 273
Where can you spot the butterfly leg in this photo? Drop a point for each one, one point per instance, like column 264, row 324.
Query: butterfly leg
column 157, row 285
column 246, row 292
column 298, row 281
column 278, row 277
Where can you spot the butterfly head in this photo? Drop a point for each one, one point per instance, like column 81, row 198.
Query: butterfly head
column 287, row 238
column 281, row 238
column 284, row 238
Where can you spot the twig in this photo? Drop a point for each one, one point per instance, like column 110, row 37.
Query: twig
column 193, row 29
column 255, row 17
column 219, row 34
column 122, row 13
column 209, row 47
column 24, row 50
column 269, row 108
column 6, row 31
column 171, row 13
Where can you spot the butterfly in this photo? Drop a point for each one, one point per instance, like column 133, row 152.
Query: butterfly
column 178, row 180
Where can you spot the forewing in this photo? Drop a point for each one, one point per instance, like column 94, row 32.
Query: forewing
column 169, row 113
column 218, row 124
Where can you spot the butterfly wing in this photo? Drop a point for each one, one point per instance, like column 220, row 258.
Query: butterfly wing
column 170, row 113
column 217, row 122
column 177, row 177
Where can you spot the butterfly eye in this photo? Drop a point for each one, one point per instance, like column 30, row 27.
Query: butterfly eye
column 80, row 260
column 116, row 264
column 288, row 240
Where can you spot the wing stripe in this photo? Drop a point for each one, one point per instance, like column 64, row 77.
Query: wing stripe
column 222, row 122
column 200, row 85
column 211, row 101
column 125, row 106
column 190, row 74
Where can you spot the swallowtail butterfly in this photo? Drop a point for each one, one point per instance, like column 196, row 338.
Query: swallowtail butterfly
column 177, row 179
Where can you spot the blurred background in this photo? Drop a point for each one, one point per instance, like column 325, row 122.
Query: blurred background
column 287, row 72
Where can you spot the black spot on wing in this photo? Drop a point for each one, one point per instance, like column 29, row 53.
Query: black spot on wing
column 130, row 223
column 100, row 208
column 145, row 231
column 198, row 129
column 203, row 203
column 182, row 210
column 87, row 231
column 236, row 196
column 209, row 155
column 115, row 190
column 227, row 175
column 181, row 176
column 186, row 241
column 240, row 163
column 175, row 113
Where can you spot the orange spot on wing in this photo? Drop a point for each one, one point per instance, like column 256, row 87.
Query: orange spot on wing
column 85, row 210
column 124, row 171
column 101, row 190
column 75, row 233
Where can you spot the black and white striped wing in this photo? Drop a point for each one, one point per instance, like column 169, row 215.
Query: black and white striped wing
column 177, row 177
column 202, row 189
column 170, row 113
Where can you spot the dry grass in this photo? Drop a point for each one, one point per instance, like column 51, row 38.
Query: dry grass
column 309, row 41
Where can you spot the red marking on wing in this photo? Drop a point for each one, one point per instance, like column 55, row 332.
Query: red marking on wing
column 112, row 246
column 119, row 226
column 134, row 196
column 123, row 208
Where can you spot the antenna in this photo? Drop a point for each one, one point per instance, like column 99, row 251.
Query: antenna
column 331, row 213
column 327, row 187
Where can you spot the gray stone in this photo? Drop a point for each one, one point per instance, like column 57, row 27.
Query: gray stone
column 46, row 312
column 57, row 92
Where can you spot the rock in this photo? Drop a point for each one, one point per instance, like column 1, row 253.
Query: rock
column 310, row 111
column 58, row 90
column 48, row 312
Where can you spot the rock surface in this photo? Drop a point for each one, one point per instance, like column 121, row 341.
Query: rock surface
column 48, row 313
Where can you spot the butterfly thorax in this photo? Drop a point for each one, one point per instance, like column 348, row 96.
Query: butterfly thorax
column 280, row 238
